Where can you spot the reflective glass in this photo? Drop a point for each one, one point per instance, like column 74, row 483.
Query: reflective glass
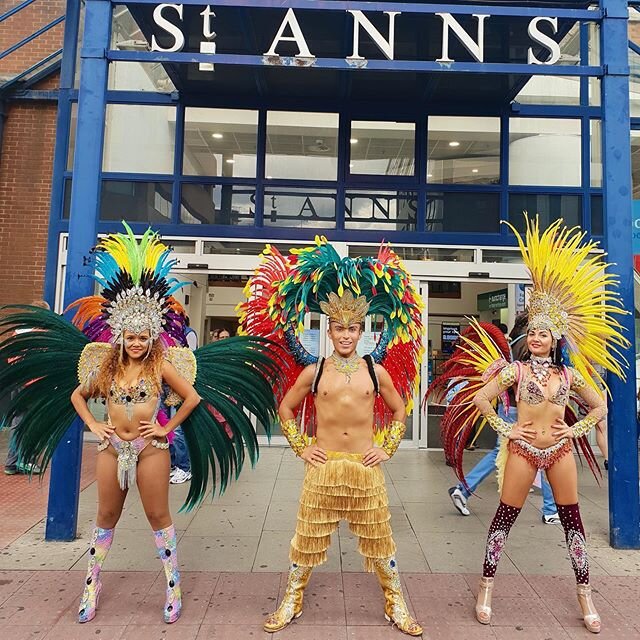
column 382, row 148
column 302, row 145
column 463, row 150
column 217, row 204
column 463, row 212
column 596, row 153
column 136, row 201
column 545, row 152
column 550, row 90
column 139, row 76
column 139, row 138
column 220, row 142
column 392, row 210
column 309, row 208
column 597, row 216
column 548, row 207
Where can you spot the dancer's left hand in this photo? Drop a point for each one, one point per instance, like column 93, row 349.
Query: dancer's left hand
column 561, row 429
column 150, row 429
column 374, row 456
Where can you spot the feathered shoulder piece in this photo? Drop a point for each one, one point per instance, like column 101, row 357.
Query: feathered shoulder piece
column 316, row 279
column 136, row 291
column 481, row 354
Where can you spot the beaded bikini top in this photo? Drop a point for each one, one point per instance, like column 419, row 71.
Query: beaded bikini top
column 532, row 393
column 138, row 393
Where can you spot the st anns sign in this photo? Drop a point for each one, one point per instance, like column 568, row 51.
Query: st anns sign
column 541, row 32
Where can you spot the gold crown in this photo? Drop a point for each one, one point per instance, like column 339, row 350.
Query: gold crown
column 345, row 309
column 546, row 312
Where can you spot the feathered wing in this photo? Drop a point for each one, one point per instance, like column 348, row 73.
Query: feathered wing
column 235, row 378
column 480, row 355
column 40, row 352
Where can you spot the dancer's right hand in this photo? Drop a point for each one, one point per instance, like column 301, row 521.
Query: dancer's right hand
column 101, row 429
column 314, row 455
column 521, row 431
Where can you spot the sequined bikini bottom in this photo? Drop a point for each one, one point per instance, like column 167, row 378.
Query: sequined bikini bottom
column 128, row 452
column 541, row 458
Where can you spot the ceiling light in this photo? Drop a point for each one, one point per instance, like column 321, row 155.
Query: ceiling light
column 474, row 171
column 351, row 165
column 269, row 177
column 429, row 175
column 454, row 143
column 217, row 136
column 230, row 161
column 354, row 141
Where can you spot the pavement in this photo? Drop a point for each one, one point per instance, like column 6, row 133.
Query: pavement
column 233, row 557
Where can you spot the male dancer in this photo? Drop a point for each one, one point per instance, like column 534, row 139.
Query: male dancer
column 343, row 477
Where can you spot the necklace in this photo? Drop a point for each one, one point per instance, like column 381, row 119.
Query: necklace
column 348, row 366
column 541, row 369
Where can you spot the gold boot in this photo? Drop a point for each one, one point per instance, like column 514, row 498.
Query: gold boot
column 291, row 605
column 589, row 614
column 395, row 608
column 483, row 604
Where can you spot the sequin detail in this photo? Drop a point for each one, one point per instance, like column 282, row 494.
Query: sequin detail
column 499, row 425
column 393, row 437
column 297, row 441
column 501, row 524
column 291, row 604
column 185, row 363
column 166, row 543
column 101, row 541
column 582, row 427
column 576, row 541
column 541, row 458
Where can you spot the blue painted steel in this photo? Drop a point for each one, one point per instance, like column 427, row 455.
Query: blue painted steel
column 634, row 47
column 341, row 64
column 64, row 489
column 42, row 63
column 407, row 7
column 31, row 37
column 624, row 497
column 18, row 7
column 34, row 94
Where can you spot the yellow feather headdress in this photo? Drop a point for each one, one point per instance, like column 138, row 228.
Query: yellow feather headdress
column 574, row 295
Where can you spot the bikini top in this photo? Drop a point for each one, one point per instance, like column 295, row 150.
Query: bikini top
column 529, row 391
column 140, row 392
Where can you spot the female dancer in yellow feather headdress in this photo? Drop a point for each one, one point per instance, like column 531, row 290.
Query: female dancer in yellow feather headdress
column 570, row 323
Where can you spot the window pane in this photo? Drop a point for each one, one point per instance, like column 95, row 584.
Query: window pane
column 448, row 212
column 300, row 208
column 302, row 145
column 139, row 138
column 73, row 125
column 390, row 210
column 597, row 216
column 66, row 203
column 545, row 152
column 463, row 150
column 217, row 204
column 136, row 201
column 596, row 153
column 220, row 142
column 416, row 253
column 382, row 148
column 139, row 76
column 548, row 207
column 550, row 90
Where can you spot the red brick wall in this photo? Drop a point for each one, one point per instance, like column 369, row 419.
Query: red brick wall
column 23, row 24
column 26, row 164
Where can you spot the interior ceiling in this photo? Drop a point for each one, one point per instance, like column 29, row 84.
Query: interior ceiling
column 329, row 35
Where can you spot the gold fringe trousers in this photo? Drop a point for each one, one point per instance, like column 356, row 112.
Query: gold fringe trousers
column 342, row 489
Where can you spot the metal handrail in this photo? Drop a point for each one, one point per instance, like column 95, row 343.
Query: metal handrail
column 33, row 36
column 18, row 7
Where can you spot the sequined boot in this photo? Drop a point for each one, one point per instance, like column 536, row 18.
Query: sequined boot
column 291, row 605
column 101, row 540
column 395, row 608
column 166, row 543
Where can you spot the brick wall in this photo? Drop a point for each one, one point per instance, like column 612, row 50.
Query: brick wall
column 23, row 24
column 26, row 164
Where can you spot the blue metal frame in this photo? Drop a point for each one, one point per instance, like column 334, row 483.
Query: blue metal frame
column 88, row 173
column 624, row 495
column 31, row 37
column 64, row 491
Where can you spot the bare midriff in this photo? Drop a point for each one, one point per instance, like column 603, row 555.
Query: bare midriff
column 543, row 414
column 345, row 410
column 128, row 429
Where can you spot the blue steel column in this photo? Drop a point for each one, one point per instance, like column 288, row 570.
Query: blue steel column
column 624, row 499
column 64, row 491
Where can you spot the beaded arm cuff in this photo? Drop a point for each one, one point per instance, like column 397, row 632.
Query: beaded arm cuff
column 394, row 432
column 295, row 439
column 582, row 427
column 500, row 426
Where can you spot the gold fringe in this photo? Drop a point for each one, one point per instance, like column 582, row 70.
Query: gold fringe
column 342, row 489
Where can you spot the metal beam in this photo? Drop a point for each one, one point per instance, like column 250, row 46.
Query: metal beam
column 406, row 7
column 624, row 497
column 341, row 64
column 64, row 491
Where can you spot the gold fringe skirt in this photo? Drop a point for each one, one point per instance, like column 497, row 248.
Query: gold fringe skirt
column 342, row 489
